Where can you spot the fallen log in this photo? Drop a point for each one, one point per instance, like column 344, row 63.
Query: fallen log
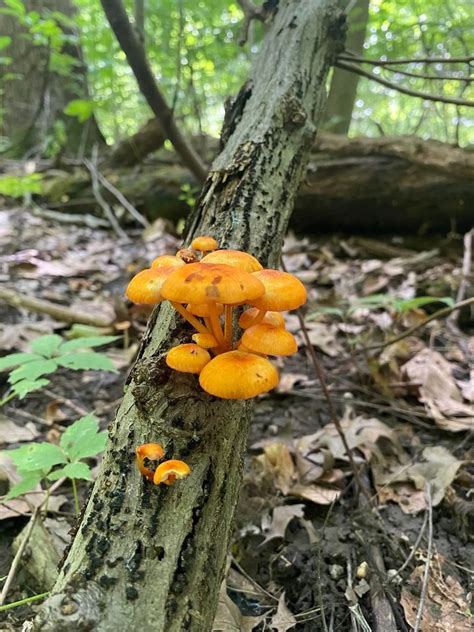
column 360, row 185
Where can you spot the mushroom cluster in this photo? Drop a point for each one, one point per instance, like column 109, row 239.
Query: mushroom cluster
column 231, row 364
column 167, row 472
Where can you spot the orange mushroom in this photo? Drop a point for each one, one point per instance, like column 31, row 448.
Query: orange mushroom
column 235, row 258
column 204, row 243
column 269, row 340
column 247, row 318
column 206, row 341
column 167, row 260
column 187, row 358
column 168, row 471
column 283, row 292
column 207, row 283
column 151, row 451
column 145, row 287
column 238, row 375
column 187, row 255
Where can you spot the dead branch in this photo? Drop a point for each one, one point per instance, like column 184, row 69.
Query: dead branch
column 123, row 200
column 58, row 312
column 426, row 574
column 404, row 90
column 251, row 12
column 407, row 60
column 135, row 53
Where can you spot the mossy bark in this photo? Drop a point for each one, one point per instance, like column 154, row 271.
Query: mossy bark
column 147, row 557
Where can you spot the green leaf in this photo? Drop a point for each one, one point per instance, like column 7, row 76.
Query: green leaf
column 87, row 360
column 83, row 439
column 420, row 301
column 23, row 388
column 32, row 370
column 36, row 456
column 80, row 108
column 27, row 483
column 5, row 41
column 17, row 6
column 46, row 345
column 14, row 359
column 87, row 342
column 72, row 470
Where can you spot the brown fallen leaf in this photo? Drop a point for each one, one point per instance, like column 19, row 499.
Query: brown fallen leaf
column 281, row 518
column 438, row 391
column 278, row 464
column 446, row 606
column 228, row 616
column 283, row 619
column 10, row 432
column 324, row 337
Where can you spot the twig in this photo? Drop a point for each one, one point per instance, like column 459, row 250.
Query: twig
column 103, row 204
column 407, row 60
column 67, row 402
column 466, row 269
column 251, row 12
column 122, row 199
column 394, row 86
column 135, row 53
column 17, row 558
column 439, row 314
column 139, row 15
column 63, row 314
column 426, row 573
column 413, row 550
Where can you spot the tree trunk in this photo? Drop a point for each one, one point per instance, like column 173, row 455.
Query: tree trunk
column 148, row 558
column 360, row 185
column 34, row 98
column 342, row 93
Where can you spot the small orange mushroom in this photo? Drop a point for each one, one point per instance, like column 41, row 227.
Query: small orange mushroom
column 269, row 340
column 187, row 255
column 167, row 260
column 151, row 451
column 235, row 258
column 238, row 375
column 145, row 287
column 283, row 291
column 168, row 471
column 204, row 243
column 206, row 341
column 248, row 318
column 187, row 358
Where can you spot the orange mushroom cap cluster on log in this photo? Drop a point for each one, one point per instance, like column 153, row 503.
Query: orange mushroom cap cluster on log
column 201, row 291
column 166, row 472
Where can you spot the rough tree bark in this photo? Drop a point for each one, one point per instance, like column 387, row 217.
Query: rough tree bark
column 34, row 99
column 153, row 559
column 342, row 93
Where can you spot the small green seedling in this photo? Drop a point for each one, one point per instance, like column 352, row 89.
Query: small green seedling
column 48, row 354
column 42, row 462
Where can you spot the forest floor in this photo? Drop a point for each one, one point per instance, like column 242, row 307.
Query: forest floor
column 308, row 552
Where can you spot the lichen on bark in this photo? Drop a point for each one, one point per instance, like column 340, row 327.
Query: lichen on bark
column 145, row 557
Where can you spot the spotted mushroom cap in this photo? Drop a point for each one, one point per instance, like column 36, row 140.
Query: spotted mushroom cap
column 234, row 258
column 167, row 260
column 204, row 243
column 145, row 287
column 271, row 318
column 283, row 291
column 269, row 340
column 238, row 375
column 211, row 283
column 187, row 358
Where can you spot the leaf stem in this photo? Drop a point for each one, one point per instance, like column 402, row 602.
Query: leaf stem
column 6, row 399
column 76, row 497
column 22, row 602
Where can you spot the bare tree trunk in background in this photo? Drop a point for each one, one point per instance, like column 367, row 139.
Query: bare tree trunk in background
column 343, row 91
column 34, row 99
column 148, row 558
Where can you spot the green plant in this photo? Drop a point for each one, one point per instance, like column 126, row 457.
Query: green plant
column 401, row 305
column 35, row 461
column 188, row 195
column 48, row 354
column 18, row 186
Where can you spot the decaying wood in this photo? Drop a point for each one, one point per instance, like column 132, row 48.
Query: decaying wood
column 148, row 558
column 399, row 184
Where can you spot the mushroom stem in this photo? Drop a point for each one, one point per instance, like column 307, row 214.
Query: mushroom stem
column 228, row 325
column 216, row 325
column 192, row 320
column 259, row 317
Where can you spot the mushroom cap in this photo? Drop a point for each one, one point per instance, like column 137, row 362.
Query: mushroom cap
column 275, row 319
column 152, row 451
column 238, row 375
column 187, row 358
column 234, row 258
column 206, row 341
column 204, row 243
column 187, row 255
column 269, row 340
column 283, row 291
column 202, row 309
column 211, row 283
column 167, row 260
column 168, row 471
column 145, row 287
